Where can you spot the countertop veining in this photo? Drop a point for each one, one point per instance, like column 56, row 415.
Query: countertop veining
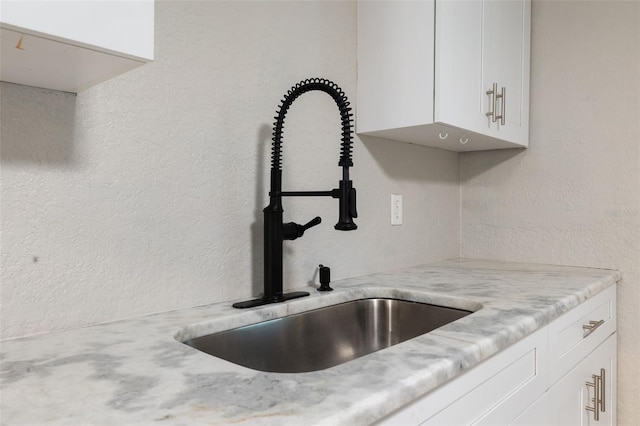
column 134, row 371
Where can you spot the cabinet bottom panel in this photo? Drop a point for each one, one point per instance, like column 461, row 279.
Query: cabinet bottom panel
column 443, row 136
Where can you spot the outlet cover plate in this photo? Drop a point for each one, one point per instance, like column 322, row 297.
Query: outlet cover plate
column 396, row 209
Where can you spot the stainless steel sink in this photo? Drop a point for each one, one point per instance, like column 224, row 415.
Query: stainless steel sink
column 325, row 337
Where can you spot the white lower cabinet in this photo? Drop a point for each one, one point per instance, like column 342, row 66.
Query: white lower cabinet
column 571, row 401
column 493, row 393
column 507, row 385
column 562, row 374
column 536, row 415
column 586, row 395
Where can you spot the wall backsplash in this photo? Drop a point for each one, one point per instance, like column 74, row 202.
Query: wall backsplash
column 145, row 193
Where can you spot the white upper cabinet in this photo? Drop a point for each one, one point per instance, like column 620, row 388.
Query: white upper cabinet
column 72, row 45
column 450, row 74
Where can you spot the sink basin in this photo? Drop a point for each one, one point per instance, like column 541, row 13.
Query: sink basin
column 325, row 337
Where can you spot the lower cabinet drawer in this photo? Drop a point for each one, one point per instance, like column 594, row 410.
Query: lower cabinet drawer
column 578, row 332
column 494, row 392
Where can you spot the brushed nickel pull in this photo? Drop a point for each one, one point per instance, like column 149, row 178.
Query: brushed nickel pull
column 603, row 384
column 492, row 102
column 500, row 117
column 596, row 408
column 599, row 394
column 591, row 327
column 503, row 108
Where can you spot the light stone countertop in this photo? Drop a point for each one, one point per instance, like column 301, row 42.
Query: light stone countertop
column 134, row 371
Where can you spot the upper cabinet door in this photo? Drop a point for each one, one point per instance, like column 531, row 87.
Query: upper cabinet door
column 467, row 59
column 395, row 64
column 460, row 98
column 72, row 45
column 505, row 63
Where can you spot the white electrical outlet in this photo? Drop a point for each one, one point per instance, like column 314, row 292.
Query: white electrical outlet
column 396, row 209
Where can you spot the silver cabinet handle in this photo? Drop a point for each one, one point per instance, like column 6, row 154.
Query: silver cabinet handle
column 503, row 105
column 596, row 408
column 500, row 117
column 492, row 102
column 591, row 327
column 599, row 392
column 603, row 388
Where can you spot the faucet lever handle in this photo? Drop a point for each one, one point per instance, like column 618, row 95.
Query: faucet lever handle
column 291, row 230
column 313, row 222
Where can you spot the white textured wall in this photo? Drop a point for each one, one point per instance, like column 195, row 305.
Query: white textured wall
column 573, row 197
column 145, row 193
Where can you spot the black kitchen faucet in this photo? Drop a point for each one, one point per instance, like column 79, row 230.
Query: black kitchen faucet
column 275, row 231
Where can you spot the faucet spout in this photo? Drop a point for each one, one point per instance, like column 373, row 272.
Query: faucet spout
column 275, row 231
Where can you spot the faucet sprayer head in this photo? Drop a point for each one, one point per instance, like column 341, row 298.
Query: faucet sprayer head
column 347, row 206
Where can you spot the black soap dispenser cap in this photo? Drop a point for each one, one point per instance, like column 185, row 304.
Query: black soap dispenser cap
column 325, row 278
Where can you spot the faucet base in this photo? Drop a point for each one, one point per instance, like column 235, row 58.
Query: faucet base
column 262, row 301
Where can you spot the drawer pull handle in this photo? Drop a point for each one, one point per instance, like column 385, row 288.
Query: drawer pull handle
column 599, row 391
column 591, row 327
